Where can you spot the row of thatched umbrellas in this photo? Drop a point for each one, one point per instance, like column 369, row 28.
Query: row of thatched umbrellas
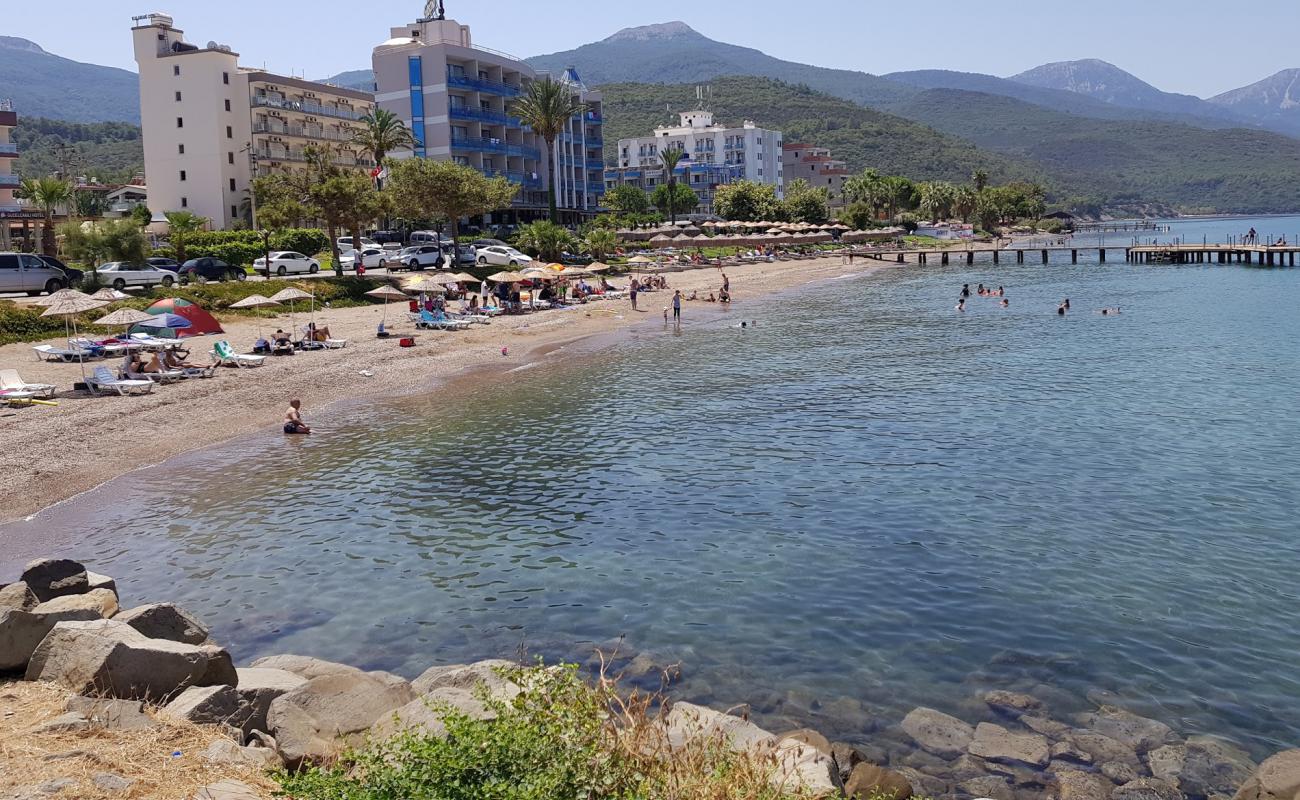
column 689, row 229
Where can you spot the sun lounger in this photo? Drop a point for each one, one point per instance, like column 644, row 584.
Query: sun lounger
column 103, row 381
column 440, row 321
column 223, row 353
column 167, row 376
column 10, row 381
column 14, row 397
column 48, row 352
column 336, row 344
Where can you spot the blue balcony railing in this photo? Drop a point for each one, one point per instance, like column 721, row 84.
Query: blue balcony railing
column 305, row 108
column 482, row 115
column 10, row 180
column 480, row 143
column 595, row 142
column 595, row 163
column 737, row 146
column 8, row 149
column 524, row 151
column 482, row 85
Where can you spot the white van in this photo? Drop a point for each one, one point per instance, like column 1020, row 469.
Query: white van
column 21, row 272
column 425, row 237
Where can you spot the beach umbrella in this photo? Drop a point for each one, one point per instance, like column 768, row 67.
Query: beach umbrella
column 461, row 277
column 597, row 266
column 387, row 293
column 255, row 301
column 426, row 285
column 661, row 240
column 640, row 260
column 110, row 295
column 126, row 317
column 68, row 306
column 164, row 324
column 291, row 295
column 62, row 294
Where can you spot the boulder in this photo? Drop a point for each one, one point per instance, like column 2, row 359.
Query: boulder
column 108, row 782
column 869, row 780
column 462, row 676
column 110, row 714
column 225, row 752
column 209, row 705
column 996, row 743
column 1213, row 766
column 258, row 687
column 110, row 657
column 315, row 721
column 1277, row 778
column 990, row 786
column 1102, row 748
column 922, row 784
column 1119, row 772
column 1011, row 703
column 96, row 581
column 427, row 712
column 937, row 732
column 967, row 767
column 22, row 631
column 303, row 666
column 1166, row 763
column 17, row 595
column 1048, row 727
column 71, row 721
column 165, row 621
column 1068, row 752
column 845, row 757
column 49, row 578
column 102, row 601
column 1139, row 733
column 1074, row 784
column 809, row 737
column 1146, row 789
column 227, row 790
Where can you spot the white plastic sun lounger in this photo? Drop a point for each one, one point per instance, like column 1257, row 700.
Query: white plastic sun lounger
column 103, row 381
column 225, row 354
column 48, row 352
column 11, row 381
column 336, row 344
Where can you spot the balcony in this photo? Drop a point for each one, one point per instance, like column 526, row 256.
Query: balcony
column 482, row 115
column 482, row 85
column 262, row 101
column 485, row 144
column 300, row 157
column 736, row 146
column 592, row 116
column 305, row 133
column 8, row 149
column 595, row 141
column 595, row 163
column 10, row 181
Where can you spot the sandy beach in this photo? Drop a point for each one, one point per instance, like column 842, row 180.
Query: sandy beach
column 53, row 453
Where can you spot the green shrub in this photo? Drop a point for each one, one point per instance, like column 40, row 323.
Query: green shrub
column 561, row 738
column 241, row 248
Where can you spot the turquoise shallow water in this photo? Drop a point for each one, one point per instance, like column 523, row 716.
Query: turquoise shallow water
column 867, row 496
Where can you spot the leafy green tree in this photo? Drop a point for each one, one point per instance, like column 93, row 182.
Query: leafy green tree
column 422, row 188
column 110, row 240
column 383, row 132
column 141, row 215
column 335, row 200
column 746, row 201
column 980, row 178
column 670, row 157
column 860, row 216
column 546, row 107
column 674, row 198
column 625, row 200
column 88, row 204
column 600, row 242
column 47, row 194
column 181, row 225
column 935, row 199
column 803, row 203
column 869, row 188
column 964, row 202
column 897, row 194
column 546, row 240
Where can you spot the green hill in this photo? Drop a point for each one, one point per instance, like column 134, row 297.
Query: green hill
column 861, row 136
column 1232, row 170
column 45, row 85
column 110, row 151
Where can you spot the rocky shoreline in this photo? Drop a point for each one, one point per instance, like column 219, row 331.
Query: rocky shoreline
column 61, row 624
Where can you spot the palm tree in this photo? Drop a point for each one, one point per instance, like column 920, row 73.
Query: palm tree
column 670, row 157
column 980, row 178
column 547, row 107
column 964, row 202
column 897, row 193
column 601, row 242
column 180, row 224
column 47, row 194
column 383, row 133
column 867, row 188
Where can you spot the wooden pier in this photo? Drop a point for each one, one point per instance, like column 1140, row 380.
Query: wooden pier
column 1208, row 253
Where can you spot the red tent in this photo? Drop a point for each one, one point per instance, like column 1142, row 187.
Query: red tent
column 201, row 322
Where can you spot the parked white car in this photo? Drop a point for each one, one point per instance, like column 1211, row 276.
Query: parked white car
column 345, row 244
column 421, row 256
column 286, row 262
column 120, row 275
column 371, row 258
column 499, row 256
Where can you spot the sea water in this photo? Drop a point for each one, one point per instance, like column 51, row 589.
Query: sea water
column 867, row 500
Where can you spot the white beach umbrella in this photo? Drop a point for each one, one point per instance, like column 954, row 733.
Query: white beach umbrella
column 291, row 295
column 110, row 294
column 255, row 301
column 387, row 293
column 69, row 306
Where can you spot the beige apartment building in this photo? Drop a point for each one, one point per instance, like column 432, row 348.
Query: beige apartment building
column 8, row 154
column 210, row 126
column 818, row 167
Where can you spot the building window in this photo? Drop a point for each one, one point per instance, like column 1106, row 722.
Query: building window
column 185, row 202
column 182, row 174
column 180, row 122
column 234, row 211
column 227, row 103
column 178, row 97
column 230, row 132
column 415, row 75
column 230, row 158
column 180, row 149
column 176, row 70
column 225, row 78
column 232, row 184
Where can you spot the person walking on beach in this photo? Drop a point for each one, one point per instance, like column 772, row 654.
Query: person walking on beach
column 726, row 283
column 293, row 418
column 632, row 290
column 677, row 306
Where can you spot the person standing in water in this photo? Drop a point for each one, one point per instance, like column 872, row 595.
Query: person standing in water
column 293, row 418
column 632, row 290
column 965, row 290
column 961, row 304
column 677, row 306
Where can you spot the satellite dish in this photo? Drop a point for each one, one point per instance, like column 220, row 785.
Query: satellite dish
column 212, row 45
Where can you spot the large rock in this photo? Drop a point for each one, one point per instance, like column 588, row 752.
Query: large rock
column 796, row 766
column 1277, row 778
column 991, row 786
column 1048, row 727
column 49, row 578
column 1146, row 789
column 938, row 732
column 21, row 632
column 106, row 656
column 17, row 595
column 225, row 752
column 809, row 737
column 1166, row 763
column 209, row 705
column 110, row 714
column 1074, row 784
column 258, row 688
column 1139, row 733
column 303, row 666
column 427, row 712
column 102, row 601
column 1012, row 703
column 1102, row 748
column 96, row 581
column 227, row 790
column 996, row 743
column 165, row 621
column 1213, row 766
column 869, row 780
column 469, row 677
column 315, row 721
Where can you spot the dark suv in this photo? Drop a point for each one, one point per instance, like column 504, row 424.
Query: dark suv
column 74, row 274
column 209, row 269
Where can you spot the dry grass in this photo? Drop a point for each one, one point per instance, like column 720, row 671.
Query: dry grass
column 28, row 759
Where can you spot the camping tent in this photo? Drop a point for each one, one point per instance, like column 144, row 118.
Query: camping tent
column 201, row 322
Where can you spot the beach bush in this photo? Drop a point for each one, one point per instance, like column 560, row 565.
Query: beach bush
column 562, row 737
column 241, row 248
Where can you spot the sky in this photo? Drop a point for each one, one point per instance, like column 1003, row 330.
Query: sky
column 1190, row 46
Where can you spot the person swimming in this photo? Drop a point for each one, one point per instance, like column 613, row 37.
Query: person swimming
column 961, row 304
column 1060, row 310
column 1005, row 302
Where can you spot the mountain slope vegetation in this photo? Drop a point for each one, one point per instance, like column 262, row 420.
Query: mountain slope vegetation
column 109, row 151
column 42, row 84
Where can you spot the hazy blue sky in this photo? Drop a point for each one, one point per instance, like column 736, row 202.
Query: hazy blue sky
column 1191, row 46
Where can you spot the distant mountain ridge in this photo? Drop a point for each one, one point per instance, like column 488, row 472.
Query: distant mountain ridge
column 42, row 84
column 1104, row 81
column 1274, row 101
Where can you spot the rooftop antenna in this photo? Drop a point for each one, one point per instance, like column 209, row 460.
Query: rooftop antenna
column 433, row 10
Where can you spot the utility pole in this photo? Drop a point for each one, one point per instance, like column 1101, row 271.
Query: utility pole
column 67, row 156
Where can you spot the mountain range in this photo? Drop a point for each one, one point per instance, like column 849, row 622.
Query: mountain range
column 42, row 84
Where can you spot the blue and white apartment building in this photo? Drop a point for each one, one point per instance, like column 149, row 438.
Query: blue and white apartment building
column 456, row 96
